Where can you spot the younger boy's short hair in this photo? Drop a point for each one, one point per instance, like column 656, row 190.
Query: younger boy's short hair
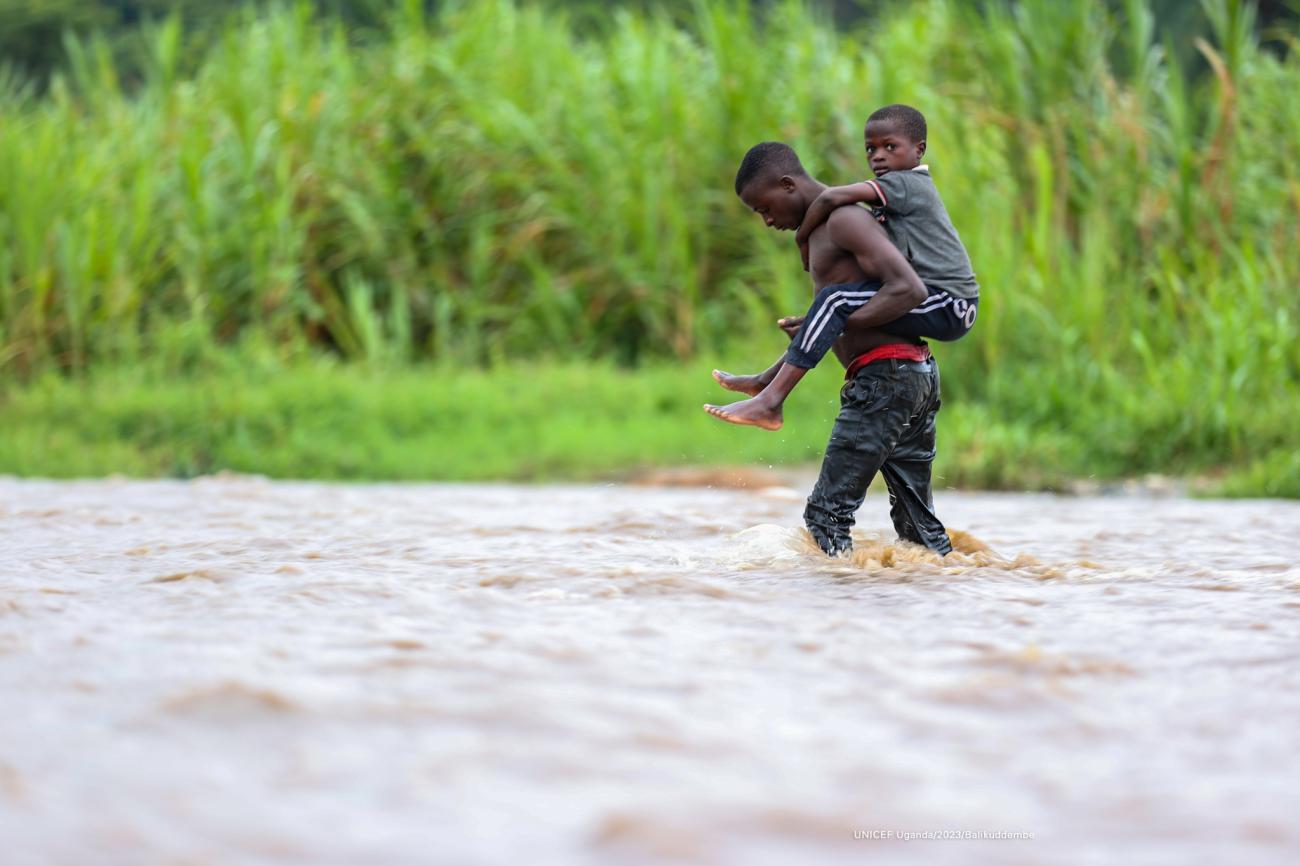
column 909, row 121
column 768, row 158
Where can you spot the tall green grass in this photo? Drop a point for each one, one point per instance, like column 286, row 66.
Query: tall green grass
column 500, row 181
column 327, row 419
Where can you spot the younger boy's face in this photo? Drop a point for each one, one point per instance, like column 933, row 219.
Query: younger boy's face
column 776, row 201
column 889, row 149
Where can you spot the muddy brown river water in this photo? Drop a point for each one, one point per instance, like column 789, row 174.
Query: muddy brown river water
column 239, row 671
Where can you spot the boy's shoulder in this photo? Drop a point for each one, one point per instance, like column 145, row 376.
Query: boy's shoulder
column 841, row 223
column 913, row 177
column 904, row 190
column 848, row 214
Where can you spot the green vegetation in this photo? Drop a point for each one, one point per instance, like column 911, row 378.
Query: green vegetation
column 247, row 412
column 548, row 422
column 498, row 182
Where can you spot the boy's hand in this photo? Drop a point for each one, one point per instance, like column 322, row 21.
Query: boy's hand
column 803, row 250
column 790, row 324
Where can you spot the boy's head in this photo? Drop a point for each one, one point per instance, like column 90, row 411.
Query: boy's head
column 769, row 182
column 895, row 139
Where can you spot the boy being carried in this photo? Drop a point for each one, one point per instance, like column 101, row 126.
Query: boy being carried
column 905, row 201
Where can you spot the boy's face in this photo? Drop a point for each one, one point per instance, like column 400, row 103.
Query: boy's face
column 889, row 149
column 777, row 201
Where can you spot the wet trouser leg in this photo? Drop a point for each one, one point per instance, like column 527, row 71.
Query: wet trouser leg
column 886, row 424
column 907, row 476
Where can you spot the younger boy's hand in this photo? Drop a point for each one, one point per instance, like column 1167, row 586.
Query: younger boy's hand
column 803, row 250
column 790, row 324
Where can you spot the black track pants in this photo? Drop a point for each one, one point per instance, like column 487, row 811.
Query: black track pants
column 886, row 425
column 939, row 317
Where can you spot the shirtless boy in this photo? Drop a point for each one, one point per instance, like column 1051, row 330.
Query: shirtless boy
column 890, row 397
column 905, row 200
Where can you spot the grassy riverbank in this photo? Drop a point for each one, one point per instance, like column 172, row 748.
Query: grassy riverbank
column 504, row 181
column 326, row 420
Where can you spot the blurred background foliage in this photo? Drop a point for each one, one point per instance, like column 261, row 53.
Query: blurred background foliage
column 32, row 31
column 470, row 184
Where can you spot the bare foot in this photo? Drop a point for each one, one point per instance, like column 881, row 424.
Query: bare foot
column 744, row 384
column 751, row 412
column 790, row 324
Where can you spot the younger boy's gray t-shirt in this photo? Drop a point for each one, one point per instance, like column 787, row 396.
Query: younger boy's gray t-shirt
column 919, row 225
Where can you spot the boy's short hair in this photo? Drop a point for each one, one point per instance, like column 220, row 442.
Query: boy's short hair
column 769, row 158
column 909, row 121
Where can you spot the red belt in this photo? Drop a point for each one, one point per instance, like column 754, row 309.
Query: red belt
column 898, row 351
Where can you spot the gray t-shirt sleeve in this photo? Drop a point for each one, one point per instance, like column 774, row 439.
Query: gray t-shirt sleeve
column 894, row 192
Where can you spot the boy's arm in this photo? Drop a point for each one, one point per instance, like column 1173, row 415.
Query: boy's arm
column 854, row 230
column 825, row 204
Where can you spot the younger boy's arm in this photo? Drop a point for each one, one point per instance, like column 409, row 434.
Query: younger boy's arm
column 825, row 204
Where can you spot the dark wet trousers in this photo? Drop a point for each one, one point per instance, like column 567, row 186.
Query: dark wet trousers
column 939, row 317
column 886, row 425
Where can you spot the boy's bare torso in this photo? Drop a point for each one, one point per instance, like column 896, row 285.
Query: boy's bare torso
column 830, row 264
